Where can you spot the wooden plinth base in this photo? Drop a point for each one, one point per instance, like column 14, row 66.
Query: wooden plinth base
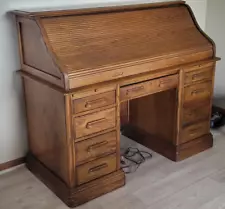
column 165, row 148
column 81, row 194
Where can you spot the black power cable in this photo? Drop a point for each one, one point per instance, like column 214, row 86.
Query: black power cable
column 132, row 158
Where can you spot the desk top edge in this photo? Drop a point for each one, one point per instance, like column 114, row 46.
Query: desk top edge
column 42, row 13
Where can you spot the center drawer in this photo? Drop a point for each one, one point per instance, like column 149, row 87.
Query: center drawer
column 95, row 147
column 148, row 87
column 95, row 122
column 96, row 169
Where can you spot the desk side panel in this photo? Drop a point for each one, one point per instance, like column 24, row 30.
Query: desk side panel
column 35, row 56
column 47, row 128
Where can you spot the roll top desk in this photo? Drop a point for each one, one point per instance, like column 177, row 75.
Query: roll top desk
column 146, row 71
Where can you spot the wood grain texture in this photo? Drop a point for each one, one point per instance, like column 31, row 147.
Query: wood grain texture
column 93, row 102
column 124, row 113
column 198, row 75
column 154, row 117
column 78, row 195
column 194, row 147
column 70, row 140
column 96, row 169
column 148, row 87
column 35, row 54
column 93, row 148
column 60, row 12
column 198, row 91
column 200, row 111
column 159, row 31
column 195, row 131
column 172, row 32
column 95, row 122
column 47, row 127
column 114, row 72
column 180, row 106
column 146, row 69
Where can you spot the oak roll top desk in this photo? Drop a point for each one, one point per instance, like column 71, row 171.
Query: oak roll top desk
column 145, row 70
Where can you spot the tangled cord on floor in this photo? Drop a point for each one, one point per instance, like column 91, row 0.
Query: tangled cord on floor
column 132, row 158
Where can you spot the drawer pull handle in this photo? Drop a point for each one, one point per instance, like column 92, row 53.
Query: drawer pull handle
column 197, row 75
column 97, row 145
column 97, row 168
column 92, row 123
column 136, row 89
column 163, row 82
column 93, row 102
column 117, row 74
column 194, row 131
column 198, row 91
column 190, row 114
column 193, row 112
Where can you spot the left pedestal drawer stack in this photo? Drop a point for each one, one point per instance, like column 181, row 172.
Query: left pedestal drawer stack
column 94, row 129
column 73, row 141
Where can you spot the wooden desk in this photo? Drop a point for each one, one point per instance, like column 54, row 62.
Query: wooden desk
column 147, row 70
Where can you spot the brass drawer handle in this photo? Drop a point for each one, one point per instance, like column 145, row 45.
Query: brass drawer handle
column 163, row 82
column 97, row 145
column 197, row 75
column 97, row 168
column 196, row 130
column 190, row 114
column 92, row 123
column 94, row 102
column 197, row 91
column 136, row 89
column 193, row 112
column 193, row 131
column 117, row 74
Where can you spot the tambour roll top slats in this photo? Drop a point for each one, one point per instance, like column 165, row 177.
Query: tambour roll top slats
column 74, row 48
column 83, row 42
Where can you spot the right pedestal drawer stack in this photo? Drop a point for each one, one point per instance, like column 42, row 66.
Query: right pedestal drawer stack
column 197, row 98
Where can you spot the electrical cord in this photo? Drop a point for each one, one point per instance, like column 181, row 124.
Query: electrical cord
column 132, row 158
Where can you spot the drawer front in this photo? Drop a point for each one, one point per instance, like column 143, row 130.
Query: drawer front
column 93, row 102
column 193, row 114
column 166, row 82
column 148, row 87
column 95, row 147
column 198, row 91
column 194, row 131
column 96, row 169
column 198, row 75
column 136, row 90
column 95, row 122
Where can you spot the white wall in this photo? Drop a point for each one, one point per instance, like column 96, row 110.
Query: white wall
column 215, row 27
column 12, row 118
column 199, row 8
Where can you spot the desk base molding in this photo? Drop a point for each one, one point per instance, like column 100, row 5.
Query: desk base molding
column 73, row 197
